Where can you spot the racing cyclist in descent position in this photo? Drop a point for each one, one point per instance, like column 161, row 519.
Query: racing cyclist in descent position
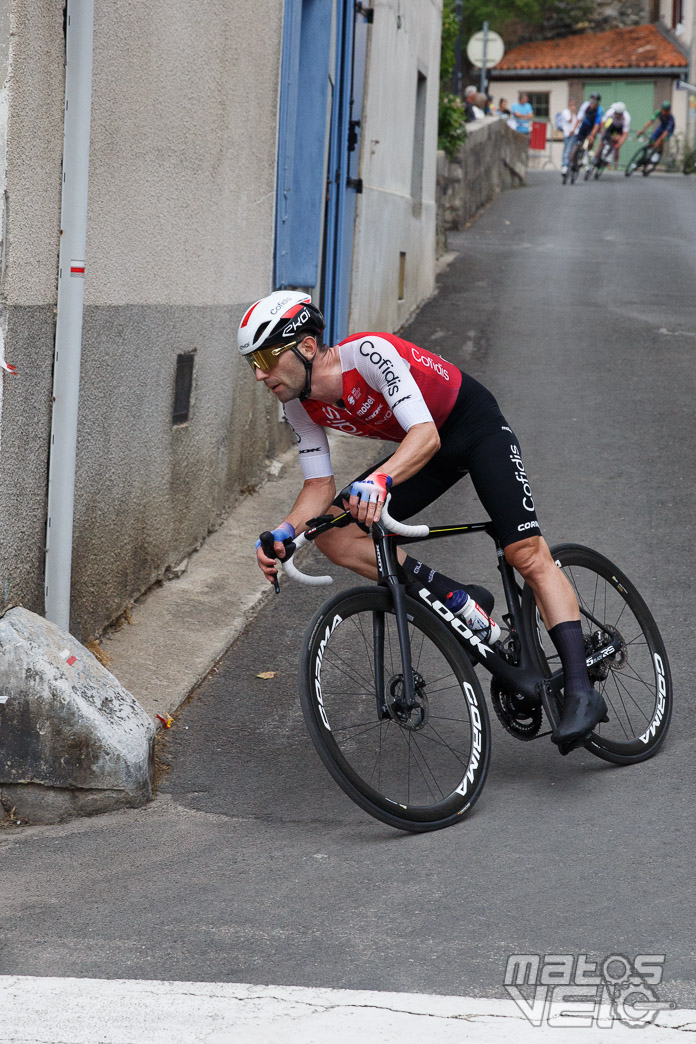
column 444, row 424
column 615, row 127
column 664, row 127
column 587, row 124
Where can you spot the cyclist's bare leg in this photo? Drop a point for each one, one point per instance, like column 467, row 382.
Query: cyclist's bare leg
column 351, row 548
column 552, row 591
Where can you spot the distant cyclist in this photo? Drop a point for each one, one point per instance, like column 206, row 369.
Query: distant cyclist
column 615, row 127
column 587, row 125
column 664, row 126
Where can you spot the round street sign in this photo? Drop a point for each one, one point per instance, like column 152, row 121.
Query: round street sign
column 495, row 49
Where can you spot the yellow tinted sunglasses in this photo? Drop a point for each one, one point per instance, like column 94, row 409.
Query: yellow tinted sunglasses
column 266, row 358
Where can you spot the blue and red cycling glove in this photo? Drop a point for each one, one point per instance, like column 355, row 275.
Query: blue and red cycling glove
column 374, row 488
column 285, row 531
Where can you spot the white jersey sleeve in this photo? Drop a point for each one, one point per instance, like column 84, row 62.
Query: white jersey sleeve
column 312, row 443
column 380, row 364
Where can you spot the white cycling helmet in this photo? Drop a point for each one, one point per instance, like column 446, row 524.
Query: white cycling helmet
column 619, row 109
column 283, row 316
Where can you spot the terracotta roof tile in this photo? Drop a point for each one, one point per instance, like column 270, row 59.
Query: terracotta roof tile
column 631, row 47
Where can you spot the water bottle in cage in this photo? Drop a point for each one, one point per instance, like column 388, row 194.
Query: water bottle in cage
column 463, row 605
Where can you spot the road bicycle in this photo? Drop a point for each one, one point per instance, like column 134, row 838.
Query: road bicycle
column 396, row 710
column 601, row 160
column 579, row 160
column 647, row 157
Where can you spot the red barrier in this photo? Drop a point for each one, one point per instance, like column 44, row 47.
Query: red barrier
column 537, row 137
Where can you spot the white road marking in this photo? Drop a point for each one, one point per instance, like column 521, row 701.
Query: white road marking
column 134, row 1011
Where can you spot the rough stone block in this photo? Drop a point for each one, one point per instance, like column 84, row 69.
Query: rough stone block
column 67, row 725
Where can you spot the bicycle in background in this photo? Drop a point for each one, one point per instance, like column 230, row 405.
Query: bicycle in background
column 647, row 157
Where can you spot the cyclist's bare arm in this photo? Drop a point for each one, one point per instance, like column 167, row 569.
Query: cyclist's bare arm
column 420, row 443
column 314, row 499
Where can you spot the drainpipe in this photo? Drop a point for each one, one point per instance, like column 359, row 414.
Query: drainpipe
column 71, row 288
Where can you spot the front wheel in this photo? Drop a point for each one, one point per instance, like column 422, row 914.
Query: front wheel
column 635, row 161
column 417, row 768
column 626, row 657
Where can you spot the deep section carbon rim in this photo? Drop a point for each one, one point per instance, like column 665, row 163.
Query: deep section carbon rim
column 627, row 661
column 416, row 768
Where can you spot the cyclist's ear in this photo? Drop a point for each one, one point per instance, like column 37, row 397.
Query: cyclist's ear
column 308, row 346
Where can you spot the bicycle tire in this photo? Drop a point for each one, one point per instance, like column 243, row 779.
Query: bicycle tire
column 635, row 161
column 649, row 167
column 636, row 681
column 415, row 777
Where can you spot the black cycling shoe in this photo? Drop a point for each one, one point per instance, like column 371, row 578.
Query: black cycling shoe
column 481, row 596
column 581, row 712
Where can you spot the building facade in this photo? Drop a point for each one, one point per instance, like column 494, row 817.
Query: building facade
column 202, row 133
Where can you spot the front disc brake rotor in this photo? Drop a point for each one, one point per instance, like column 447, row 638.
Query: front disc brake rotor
column 409, row 718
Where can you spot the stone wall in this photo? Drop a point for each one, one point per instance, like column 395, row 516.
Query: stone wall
column 493, row 158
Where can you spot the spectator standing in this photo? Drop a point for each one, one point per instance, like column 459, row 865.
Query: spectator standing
column 469, row 103
column 523, row 114
column 503, row 109
column 569, row 118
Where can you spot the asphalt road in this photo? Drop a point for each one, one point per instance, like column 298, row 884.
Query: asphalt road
column 576, row 306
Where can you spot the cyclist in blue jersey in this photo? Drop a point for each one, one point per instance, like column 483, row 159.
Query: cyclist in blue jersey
column 588, row 124
column 664, row 126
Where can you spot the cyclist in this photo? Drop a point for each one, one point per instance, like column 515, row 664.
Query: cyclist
column 664, row 127
column 615, row 128
column 445, row 424
column 587, row 124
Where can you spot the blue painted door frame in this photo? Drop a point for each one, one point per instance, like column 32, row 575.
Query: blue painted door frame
column 302, row 197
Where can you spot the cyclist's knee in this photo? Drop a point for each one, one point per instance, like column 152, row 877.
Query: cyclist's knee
column 530, row 557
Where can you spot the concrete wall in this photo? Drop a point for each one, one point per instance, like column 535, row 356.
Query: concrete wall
column 493, row 158
column 404, row 40
column 180, row 239
column 33, row 54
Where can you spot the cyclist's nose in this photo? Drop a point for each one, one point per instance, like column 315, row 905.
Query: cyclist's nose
column 260, row 374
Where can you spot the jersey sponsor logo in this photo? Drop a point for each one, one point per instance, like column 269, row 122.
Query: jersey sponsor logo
column 368, row 404
column 405, row 398
column 312, row 449
column 335, row 420
column 368, row 350
column 430, row 363
column 521, row 476
column 527, row 525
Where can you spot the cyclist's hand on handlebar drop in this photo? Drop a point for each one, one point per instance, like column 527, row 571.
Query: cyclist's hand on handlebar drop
column 267, row 552
column 367, row 497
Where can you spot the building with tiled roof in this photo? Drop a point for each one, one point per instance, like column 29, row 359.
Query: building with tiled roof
column 628, row 51
column 639, row 65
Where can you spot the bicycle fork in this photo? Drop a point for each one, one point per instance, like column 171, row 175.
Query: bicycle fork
column 387, row 575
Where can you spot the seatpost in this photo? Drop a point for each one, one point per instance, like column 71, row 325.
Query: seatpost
column 388, row 577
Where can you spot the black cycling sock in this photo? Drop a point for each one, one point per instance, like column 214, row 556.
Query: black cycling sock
column 568, row 639
column 438, row 583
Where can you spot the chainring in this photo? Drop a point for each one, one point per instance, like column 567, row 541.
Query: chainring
column 515, row 713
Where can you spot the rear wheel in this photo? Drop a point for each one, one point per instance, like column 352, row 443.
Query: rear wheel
column 626, row 656
column 416, row 769
column 650, row 164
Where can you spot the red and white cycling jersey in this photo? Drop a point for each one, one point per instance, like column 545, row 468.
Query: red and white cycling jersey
column 388, row 386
